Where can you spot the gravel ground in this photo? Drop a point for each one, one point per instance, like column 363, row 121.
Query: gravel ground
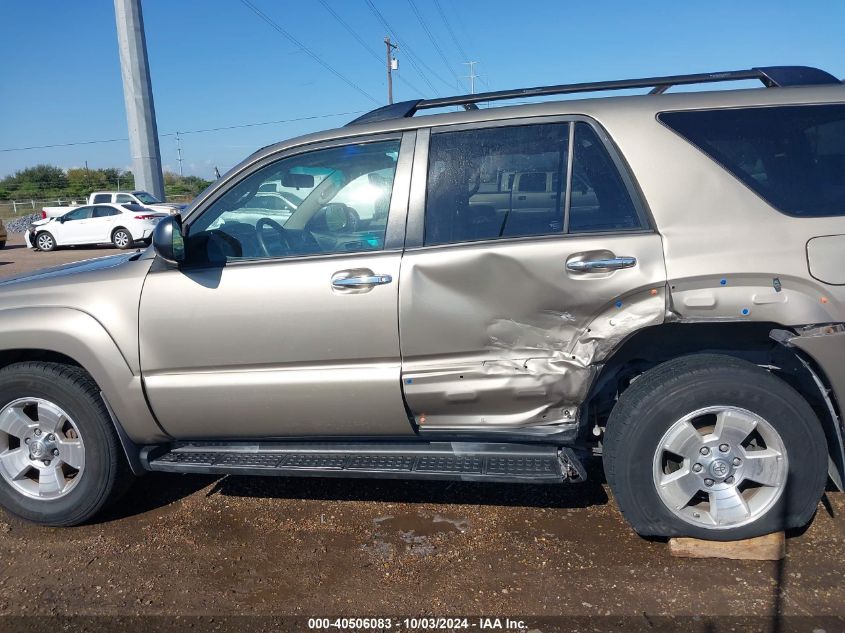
column 194, row 545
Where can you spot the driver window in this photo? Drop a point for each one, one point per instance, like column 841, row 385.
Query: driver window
column 333, row 200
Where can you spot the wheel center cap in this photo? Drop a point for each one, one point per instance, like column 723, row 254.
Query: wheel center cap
column 37, row 449
column 720, row 468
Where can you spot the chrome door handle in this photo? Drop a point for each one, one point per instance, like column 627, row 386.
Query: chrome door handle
column 601, row 265
column 366, row 280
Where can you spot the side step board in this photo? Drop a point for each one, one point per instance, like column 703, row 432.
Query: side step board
column 454, row 461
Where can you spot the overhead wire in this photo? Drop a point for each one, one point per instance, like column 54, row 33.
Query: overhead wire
column 454, row 37
column 364, row 44
column 413, row 59
column 308, row 51
column 434, row 43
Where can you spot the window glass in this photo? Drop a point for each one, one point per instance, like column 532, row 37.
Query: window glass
column 82, row 213
column 495, row 182
column 102, row 197
column 122, row 197
column 791, row 156
column 104, row 212
column 600, row 200
column 333, row 200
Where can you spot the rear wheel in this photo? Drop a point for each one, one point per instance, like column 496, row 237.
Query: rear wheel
column 60, row 458
column 2, row 244
column 714, row 447
column 45, row 241
column 122, row 238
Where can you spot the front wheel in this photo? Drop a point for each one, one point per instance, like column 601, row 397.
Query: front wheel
column 713, row 447
column 60, row 458
column 45, row 242
column 2, row 244
column 122, row 239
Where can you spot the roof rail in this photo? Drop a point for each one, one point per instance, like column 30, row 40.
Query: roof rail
column 770, row 76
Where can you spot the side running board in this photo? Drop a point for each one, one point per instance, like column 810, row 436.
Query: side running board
column 455, row 461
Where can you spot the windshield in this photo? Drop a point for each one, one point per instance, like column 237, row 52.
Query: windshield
column 146, row 198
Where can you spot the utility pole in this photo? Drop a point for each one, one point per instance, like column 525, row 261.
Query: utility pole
column 390, row 69
column 138, row 96
column 179, row 149
column 471, row 76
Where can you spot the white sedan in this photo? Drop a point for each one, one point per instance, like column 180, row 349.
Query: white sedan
column 119, row 224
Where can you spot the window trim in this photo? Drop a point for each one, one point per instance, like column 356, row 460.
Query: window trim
column 416, row 207
column 724, row 167
column 396, row 217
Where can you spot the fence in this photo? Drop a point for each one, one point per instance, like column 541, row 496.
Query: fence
column 19, row 208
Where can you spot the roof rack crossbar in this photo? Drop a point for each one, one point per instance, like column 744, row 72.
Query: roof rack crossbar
column 770, row 76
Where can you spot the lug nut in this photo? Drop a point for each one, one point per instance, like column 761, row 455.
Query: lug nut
column 704, row 450
column 708, row 482
column 724, row 448
column 737, row 461
column 46, row 462
column 51, row 437
column 729, row 480
column 56, row 452
column 696, row 468
column 38, row 431
column 26, row 440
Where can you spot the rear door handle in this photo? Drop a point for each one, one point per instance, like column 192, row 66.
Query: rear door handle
column 601, row 265
column 362, row 281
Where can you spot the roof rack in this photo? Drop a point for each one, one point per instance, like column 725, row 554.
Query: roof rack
column 770, row 76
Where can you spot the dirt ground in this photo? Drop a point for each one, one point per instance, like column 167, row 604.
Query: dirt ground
column 202, row 545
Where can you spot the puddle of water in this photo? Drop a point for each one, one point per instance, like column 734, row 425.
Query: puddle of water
column 411, row 533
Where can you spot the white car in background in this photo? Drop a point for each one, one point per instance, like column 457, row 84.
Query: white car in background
column 120, row 224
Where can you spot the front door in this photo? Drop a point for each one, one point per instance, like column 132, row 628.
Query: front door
column 76, row 227
column 506, row 310
column 283, row 325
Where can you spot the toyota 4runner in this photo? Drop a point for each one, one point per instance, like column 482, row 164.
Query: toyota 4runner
column 488, row 295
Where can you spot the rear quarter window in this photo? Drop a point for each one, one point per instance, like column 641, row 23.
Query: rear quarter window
column 791, row 156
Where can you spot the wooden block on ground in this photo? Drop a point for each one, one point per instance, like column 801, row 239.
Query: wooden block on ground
column 769, row 547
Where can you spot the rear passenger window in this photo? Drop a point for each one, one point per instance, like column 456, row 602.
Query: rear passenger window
column 495, row 182
column 791, row 156
column 600, row 200
column 511, row 181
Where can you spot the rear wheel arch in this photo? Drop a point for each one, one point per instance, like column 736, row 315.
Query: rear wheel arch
column 748, row 341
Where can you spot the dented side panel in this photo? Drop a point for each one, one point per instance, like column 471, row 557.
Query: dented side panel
column 501, row 335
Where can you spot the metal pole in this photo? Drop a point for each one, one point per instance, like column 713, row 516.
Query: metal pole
column 138, row 96
column 389, row 73
column 179, row 149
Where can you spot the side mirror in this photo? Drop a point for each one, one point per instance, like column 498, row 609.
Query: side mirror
column 168, row 241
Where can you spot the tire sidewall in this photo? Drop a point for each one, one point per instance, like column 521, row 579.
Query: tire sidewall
column 96, row 476
column 52, row 240
column 797, row 426
column 128, row 235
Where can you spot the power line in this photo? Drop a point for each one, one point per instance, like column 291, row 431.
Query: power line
column 412, row 57
column 433, row 41
column 183, row 132
column 449, row 29
column 364, row 44
column 308, row 51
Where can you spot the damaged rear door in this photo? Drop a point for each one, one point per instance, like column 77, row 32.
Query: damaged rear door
column 506, row 309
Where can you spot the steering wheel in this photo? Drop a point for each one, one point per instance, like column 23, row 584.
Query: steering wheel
column 259, row 235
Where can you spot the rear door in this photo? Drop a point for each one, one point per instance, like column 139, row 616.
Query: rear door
column 505, row 315
column 103, row 222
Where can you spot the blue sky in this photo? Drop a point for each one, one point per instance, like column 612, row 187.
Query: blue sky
column 216, row 64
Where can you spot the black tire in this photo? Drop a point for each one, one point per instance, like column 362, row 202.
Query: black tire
column 47, row 244
column 106, row 475
column 674, row 389
column 2, row 244
column 121, row 238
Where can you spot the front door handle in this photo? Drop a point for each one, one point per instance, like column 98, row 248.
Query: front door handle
column 601, row 265
column 361, row 282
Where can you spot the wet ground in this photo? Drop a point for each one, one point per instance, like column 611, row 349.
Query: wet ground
column 193, row 545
